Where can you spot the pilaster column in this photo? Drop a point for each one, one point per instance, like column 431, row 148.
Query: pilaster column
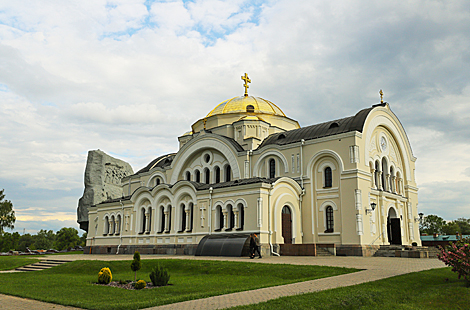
column 167, row 222
column 394, row 184
column 373, row 179
column 110, row 227
column 225, row 219
column 118, row 227
column 379, row 180
column 147, row 223
column 187, row 219
column 387, row 182
column 235, row 217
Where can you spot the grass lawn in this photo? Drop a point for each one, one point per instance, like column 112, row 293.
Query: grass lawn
column 72, row 283
column 430, row 289
column 12, row 262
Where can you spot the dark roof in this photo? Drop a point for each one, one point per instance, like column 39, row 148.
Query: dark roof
column 161, row 162
column 203, row 186
column 114, row 200
column 348, row 124
column 235, row 144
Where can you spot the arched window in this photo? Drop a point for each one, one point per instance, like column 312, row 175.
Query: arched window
column 376, row 176
column 118, row 224
column 149, row 228
column 329, row 219
column 106, row 226
column 385, row 174
column 142, row 221
column 182, row 218
column 162, row 219
column 217, row 174
column 241, row 216
column 198, row 176
column 230, row 217
column 392, row 180
column 219, row 217
column 207, row 175
column 250, row 108
column 188, row 176
column 272, row 168
column 190, row 226
column 169, row 218
column 328, row 177
column 228, row 173
column 157, row 181
column 113, row 226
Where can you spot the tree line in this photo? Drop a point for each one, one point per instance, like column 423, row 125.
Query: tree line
column 66, row 237
column 433, row 224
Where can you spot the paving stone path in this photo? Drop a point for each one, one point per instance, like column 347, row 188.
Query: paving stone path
column 374, row 268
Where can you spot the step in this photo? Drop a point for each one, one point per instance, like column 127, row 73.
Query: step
column 42, row 265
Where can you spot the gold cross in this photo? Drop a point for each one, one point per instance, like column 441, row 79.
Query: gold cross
column 381, row 93
column 247, row 80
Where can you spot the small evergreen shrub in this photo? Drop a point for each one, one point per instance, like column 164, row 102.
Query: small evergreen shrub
column 159, row 276
column 136, row 264
column 140, row 284
column 105, row 276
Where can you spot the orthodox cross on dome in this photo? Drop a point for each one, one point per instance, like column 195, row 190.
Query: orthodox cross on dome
column 381, row 93
column 247, row 80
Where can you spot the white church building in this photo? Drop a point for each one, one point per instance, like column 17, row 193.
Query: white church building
column 347, row 186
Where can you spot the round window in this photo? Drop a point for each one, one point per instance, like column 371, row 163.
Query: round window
column 207, row 158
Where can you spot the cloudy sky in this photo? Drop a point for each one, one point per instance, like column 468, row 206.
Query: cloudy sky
column 130, row 76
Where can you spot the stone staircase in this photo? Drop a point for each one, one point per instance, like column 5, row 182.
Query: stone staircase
column 402, row 251
column 323, row 252
column 42, row 265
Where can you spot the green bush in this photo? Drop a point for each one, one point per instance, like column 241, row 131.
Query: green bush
column 105, row 276
column 140, row 284
column 136, row 264
column 159, row 276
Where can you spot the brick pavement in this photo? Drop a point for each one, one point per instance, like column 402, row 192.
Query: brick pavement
column 374, row 268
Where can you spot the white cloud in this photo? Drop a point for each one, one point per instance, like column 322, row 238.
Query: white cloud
column 128, row 77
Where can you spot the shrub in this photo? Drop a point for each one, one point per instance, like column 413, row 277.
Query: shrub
column 457, row 256
column 105, row 276
column 140, row 284
column 136, row 264
column 159, row 276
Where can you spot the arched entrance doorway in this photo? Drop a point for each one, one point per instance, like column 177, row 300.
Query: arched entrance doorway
column 393, row 227
column 287, row 225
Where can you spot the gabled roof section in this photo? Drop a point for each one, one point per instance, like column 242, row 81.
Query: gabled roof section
column 348, row 124
column 161, row 162
column 238, row 182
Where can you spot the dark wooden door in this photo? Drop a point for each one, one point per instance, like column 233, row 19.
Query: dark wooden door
column 287, row 227
column 396, row 231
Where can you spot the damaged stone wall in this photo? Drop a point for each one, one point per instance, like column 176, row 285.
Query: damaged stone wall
column 103, row 175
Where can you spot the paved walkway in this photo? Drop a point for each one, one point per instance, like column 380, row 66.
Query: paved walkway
column 375, row 268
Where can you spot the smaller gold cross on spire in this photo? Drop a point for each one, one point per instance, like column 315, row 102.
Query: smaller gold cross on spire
column 247, row 80
column 381, row 93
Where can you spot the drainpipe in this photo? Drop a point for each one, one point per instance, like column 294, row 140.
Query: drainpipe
column 269, row 222
column 302, row 143
column 300, row 209
column 120, row 226
column 210, row 210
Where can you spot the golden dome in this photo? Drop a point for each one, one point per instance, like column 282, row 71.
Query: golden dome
column 245, row 104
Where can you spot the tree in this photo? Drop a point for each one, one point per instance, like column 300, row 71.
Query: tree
column 9, row 241
column 136, row 264
column 451, row 228
column 83, row 239
column 464, row 225
column 67, row 237
column 7, row 215
column 432, row 224
column 44, row 239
